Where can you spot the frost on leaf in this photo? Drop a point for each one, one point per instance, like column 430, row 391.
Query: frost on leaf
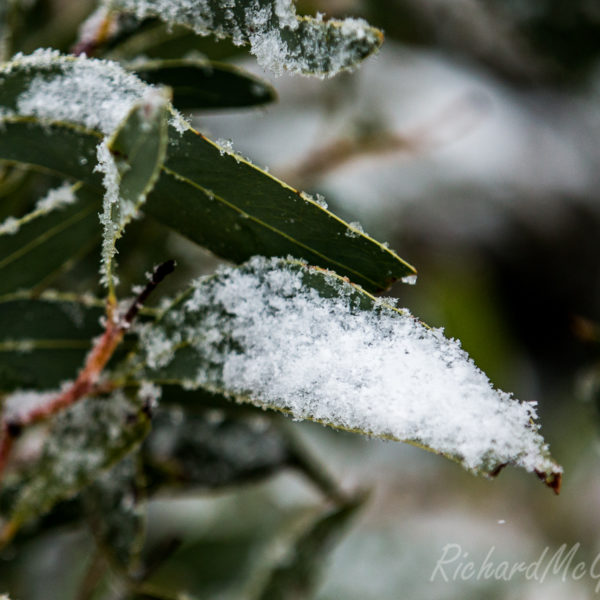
column 85, row 440
column 130, row 162
column 279, row 38
column 55, row 199
column 303, row 341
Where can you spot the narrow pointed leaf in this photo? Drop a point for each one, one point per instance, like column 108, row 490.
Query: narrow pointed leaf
column 33, row 248
column 84, row 441
column 297, row 573
column 213, row 450
column 279, row 38
column 207, row 193
column 130, row 161
column 202, row 84
column 44, row 341
column 284, row 336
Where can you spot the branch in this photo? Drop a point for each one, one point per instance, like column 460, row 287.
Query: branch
column 87, row 380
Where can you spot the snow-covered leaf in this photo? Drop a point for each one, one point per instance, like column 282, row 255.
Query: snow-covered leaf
column 130, row 162
column 284, row 336
column 278, row 38
column 32, row 248
column 84, row 441
column 205, row 191
column 203, row 84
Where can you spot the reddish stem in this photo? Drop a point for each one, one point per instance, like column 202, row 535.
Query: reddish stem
column 88, row 376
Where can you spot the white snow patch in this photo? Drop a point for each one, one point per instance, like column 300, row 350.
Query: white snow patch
column 96, row 94
column 55, row 199
column 260, row 332
column 20, row 403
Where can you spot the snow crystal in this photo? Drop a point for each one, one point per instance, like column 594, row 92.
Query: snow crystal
column 317, row 199
column 57, row 198
column 225, row 146
column 410, row 279
column 354, row 230
column 111, row 179
column 260, row 333
column 278, row 38
column 9, row 226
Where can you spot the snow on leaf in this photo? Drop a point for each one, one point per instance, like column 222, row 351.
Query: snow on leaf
column 55, row 199
column 130, row 162
column 278, row 38
column 304, row 341
column 85, row 440
column 95, row 94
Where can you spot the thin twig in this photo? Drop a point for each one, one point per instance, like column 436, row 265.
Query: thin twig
column 87, row 380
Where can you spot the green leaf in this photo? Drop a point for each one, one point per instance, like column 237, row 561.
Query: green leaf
column 297, row 572
column 33, row 248
column 203, row 84
column 7, row 16
column 213, row 449
column 284, row 336
column 214, row 197
column 44, row 341
column 131, row 161
column 117, row 512
column 84, row 441
column 279, row 38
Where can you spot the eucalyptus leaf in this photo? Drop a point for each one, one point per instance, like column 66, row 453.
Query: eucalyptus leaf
column 213, row 449
column 35, row 247
column 44, row 341
column 285, row 336
column 206, row 192
column 84, row 441
column 131, row 161
column 296, row 574
column 279, row 38
column 203, row 84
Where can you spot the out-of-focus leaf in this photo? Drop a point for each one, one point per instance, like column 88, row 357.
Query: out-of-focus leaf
column 303, row 341
column 44, row 341
column 6, row 9
column 84, row 441
column 40, row 246
column 213, row 450
column 116, row 511
column 296, row 574
column 157, row 40
column 131, row 162
column 217, row 410
column 206, row 192
column 279, row 38
column 204, row 84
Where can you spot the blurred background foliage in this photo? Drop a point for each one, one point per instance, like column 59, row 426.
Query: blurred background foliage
column 470, row 143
